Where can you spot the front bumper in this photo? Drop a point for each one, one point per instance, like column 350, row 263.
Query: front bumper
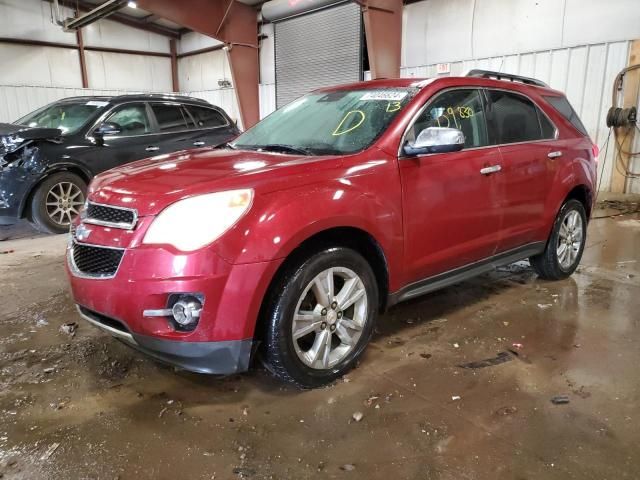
column 147, row 277
column 15, row 185
column 219, row 358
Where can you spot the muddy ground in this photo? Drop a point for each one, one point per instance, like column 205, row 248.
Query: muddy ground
column 85, row 406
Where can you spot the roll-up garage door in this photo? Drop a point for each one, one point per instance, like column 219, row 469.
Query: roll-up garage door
column 317, row 49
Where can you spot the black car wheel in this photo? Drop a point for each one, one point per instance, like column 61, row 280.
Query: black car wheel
column 565, row 245
column 57, row 201
column 320, row 317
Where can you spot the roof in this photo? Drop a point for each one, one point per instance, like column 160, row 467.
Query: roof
column 446, row 81
column 143, row 97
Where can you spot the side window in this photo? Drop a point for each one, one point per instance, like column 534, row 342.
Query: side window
column 132, row 119
column 548, row 130
column 461, row 109
column 515, row 118
column 170, row 117
column 206, row 117
column 562, row 105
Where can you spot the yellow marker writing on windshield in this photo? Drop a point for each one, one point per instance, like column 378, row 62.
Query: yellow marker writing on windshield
column 393, row 106
column 349, row 114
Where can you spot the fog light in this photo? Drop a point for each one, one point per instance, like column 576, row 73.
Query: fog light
column 186, row 311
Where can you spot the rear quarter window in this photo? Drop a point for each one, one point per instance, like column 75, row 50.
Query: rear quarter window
column 205, row 117
column 562, row 105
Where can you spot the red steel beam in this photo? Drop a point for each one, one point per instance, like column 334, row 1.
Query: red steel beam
column 383, row 28
column 231, row 22
column 174, row 65
column 83, row 63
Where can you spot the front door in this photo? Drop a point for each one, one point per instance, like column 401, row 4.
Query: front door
column 137, row 138
column 451, row 201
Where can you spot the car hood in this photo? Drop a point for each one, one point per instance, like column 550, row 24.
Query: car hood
column 29, row 133
column 13, row 137
column 152, row 184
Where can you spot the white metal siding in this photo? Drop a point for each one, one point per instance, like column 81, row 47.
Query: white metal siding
column 584, row 73
column 451, row 30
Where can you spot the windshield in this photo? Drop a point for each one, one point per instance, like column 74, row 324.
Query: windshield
column 67, row 116
column 339, row 122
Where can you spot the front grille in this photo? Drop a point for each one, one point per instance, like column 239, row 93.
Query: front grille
column 110, row 216
column 96, row 261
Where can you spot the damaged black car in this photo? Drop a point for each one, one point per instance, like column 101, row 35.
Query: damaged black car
column 48, row 157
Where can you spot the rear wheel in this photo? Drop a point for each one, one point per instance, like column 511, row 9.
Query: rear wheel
column 566, row 243
column 320, row 318
column 57, row 201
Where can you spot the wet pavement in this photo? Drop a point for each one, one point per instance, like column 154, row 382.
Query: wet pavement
column 85, row 406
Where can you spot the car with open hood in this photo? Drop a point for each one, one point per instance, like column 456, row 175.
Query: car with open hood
column 48, row 157
column 287, row 242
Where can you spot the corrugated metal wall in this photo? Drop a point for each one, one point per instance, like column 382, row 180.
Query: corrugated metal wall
column 584, row 73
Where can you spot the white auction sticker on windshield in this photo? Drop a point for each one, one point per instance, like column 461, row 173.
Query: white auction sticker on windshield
column 96, row 103
column 386, row 95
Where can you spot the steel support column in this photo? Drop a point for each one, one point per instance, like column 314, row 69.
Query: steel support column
column 174, row 65
column 383, row 27
column 81, row 57
column 233, row 23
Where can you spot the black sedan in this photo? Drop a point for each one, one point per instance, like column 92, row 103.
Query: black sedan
column 48, row 157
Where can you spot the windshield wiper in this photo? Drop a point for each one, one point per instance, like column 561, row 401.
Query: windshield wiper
column 279, row 147
column 227, row 145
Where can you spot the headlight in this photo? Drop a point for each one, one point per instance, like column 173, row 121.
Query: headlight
column 10, row 143
column 194, row 222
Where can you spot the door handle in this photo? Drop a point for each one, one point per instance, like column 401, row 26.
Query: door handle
column 554, row 154
column 199, row 143
column 152, row 148
column 490, row 170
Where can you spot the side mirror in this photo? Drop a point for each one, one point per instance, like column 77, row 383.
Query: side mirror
column 435, row 140
column 107, row 128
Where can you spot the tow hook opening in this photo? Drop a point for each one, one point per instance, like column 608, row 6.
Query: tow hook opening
column 183, row 311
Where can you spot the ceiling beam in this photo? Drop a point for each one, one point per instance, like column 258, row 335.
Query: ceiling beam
column 130, row 21
column 233, row 23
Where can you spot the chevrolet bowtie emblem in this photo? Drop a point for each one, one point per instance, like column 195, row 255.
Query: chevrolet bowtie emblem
column 82, row 232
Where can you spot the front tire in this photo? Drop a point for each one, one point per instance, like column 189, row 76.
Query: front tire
column 320, row 317
column 565, row 245
column 57, row 201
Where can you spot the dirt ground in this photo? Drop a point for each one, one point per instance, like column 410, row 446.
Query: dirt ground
column 85, row 406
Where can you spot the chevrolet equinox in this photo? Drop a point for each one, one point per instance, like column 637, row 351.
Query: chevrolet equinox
column 289, row 241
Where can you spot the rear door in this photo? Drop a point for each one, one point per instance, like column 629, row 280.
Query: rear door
column 526, row 138
column 210, row 126
column 450, row 200
column 174, row 126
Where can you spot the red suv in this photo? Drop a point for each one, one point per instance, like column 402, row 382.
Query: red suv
column 291, row 239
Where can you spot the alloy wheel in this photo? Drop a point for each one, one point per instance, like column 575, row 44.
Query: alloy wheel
column 570, row 239
column 63, row 202
column 329, row 318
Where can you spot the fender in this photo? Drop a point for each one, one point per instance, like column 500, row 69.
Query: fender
column 580, row 170
column 45, row 170
column 341, row 203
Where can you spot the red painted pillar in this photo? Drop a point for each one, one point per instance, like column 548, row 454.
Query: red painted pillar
column 383, row 28
column 233, row 23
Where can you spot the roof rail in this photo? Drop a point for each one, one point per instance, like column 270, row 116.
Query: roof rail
column 505, row 76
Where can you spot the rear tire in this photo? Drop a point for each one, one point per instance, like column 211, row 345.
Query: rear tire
column 56, row 202
column 320, row 317
column 565, row 245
